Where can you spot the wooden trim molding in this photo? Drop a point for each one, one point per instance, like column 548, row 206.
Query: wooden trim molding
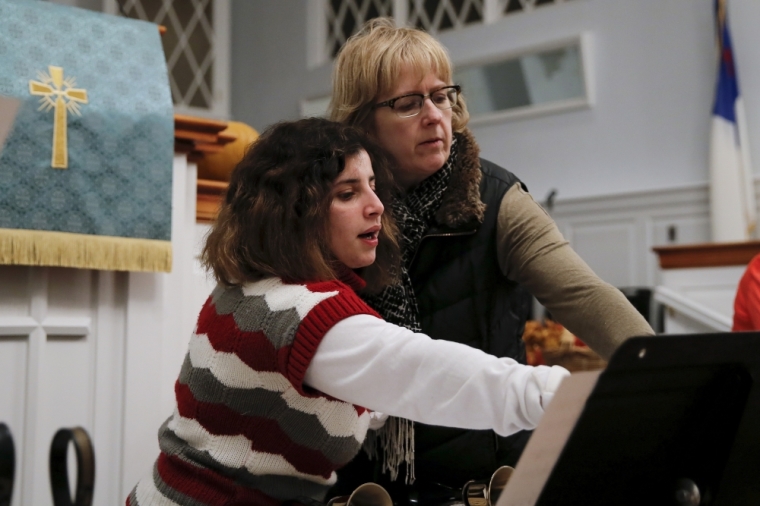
column 196, row 137
column 707, row 255
column 210, row 194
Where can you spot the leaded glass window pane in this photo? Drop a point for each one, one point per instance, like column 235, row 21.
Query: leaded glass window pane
column 439, row 15
column 345, row 17
column 188, row 45
column 512, row 6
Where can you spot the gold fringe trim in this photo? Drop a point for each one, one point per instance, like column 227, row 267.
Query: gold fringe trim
column 62, row 249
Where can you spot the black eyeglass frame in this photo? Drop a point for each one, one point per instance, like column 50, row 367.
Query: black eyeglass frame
column 391, row 102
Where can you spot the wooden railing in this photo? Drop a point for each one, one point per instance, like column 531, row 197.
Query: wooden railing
column 707, row 254
column 210, row 194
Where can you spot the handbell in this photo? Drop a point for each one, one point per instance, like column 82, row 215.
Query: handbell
column 369, row 494
column 486, row 493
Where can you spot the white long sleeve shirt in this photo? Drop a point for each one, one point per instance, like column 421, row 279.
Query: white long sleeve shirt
column 386, row 368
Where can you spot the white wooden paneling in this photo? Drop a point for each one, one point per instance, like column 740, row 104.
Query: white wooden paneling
column 99, row 350
column 143, row 410
column 49, row 367
column 680, row 323
column 615, row 235
column 686, row 230
column 605, row 247
column 699, row 299
column 108, row 417
column 595, row 228
column 203, row 282
column 159, row 321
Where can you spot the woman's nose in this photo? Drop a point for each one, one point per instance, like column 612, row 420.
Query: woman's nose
column 430, row 112
column 374, row 206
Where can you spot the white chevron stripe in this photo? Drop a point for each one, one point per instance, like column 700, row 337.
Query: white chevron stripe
column 339, row 418
column 280, row 296
column 236, row 452
column 148, row 495
column 230, row 370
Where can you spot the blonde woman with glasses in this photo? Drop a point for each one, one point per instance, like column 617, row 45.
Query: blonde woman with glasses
column 475, row 245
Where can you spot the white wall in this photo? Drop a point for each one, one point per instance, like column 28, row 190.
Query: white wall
column 654, row 67
column 649, row 126
column 269, row 71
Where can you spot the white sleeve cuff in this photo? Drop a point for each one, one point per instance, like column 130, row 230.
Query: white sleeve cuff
column 551, row 383
column 377, row 420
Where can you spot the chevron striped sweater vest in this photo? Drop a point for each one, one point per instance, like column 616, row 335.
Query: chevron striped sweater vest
column 246, row 429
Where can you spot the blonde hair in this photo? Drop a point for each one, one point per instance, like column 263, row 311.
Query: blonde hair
column 370, row 63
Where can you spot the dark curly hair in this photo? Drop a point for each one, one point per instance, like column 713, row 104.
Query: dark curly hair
column 274, row 218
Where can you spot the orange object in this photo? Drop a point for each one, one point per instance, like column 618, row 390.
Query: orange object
column 549, row 343
column 219, row 165
column 535, row 356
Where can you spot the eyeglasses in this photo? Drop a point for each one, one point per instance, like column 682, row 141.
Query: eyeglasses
column 410, row 105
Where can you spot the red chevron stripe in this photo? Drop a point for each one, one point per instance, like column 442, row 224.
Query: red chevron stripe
column 253, row 348
column 327, row 286
column 206, row 486
column 265, row 434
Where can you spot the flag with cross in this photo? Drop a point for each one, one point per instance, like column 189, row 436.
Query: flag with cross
column 733, row 210
column 86, row 167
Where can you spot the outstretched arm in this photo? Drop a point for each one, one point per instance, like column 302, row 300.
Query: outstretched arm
column 372, row 363
column 533, row 252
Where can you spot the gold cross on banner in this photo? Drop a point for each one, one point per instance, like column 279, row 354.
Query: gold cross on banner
column 67, row 98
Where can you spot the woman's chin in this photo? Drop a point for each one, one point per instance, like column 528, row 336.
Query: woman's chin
column 360, row 263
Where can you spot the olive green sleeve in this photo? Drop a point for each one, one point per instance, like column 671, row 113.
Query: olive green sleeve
column 533, row 252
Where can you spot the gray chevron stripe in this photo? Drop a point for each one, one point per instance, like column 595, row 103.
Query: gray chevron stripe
column 133, row 497
column 171, row 493
column 302, row 428
column 252, row 314
column 278, row 487
column 225, row 298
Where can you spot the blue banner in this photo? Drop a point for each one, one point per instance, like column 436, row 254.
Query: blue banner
column 91, row 148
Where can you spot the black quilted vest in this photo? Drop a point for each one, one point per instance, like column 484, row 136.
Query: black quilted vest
column 464, row 297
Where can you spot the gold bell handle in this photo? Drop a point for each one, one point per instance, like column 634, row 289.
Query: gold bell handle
column 486, row 493
column 369, row 494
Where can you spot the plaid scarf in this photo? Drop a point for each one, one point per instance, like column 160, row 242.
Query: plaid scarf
column 414, row 215
column 397, row 304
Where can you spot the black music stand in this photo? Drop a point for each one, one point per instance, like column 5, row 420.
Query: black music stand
column 673, row 420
